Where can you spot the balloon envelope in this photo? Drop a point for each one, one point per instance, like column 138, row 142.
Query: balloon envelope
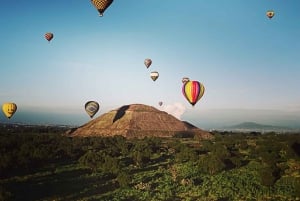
column 193, row 91
column 270, row 14
column 101, row 5
column 160, row 103
column 148, row 62
column 154, row 75
column 91, row 107
column 185, row 79
column 9, row 109
column 49, row 36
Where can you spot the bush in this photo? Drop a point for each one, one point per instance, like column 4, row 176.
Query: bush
column 123, row 179
column 211, row 164
column 267, row 178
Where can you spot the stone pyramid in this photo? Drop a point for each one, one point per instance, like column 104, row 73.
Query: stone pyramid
column 137, row 121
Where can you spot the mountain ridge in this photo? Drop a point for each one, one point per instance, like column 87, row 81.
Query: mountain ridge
column 250, row 125
column 257, row 127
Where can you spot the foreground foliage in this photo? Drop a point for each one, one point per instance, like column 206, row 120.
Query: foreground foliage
column 49, row 166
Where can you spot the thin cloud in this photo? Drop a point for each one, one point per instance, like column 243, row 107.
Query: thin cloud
column 175, row 109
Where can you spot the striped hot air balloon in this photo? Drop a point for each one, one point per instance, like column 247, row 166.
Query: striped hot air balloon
column 193, row 91
column 91, row 108
column 101, row 5
column 49, row 36
column 154, row 75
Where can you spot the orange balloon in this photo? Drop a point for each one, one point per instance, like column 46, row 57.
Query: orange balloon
column 101, row 5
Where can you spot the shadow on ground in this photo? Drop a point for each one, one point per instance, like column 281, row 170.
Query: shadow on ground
column 69, row 185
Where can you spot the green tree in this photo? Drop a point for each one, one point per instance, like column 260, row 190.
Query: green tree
column 141, row 153
column 123, row 179
column 236, row 161
column 186, row 154
column 207, row 145
column 110, row 165
column 220, row 151
column 211, row 164
column 297, row 187
column 91, row 160
column 267, row 177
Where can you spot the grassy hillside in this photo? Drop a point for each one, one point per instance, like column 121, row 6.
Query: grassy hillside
column 49, row 166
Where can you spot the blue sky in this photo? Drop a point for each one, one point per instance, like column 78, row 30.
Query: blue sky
column 248, row 63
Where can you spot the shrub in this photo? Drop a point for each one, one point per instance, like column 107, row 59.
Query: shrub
column 123, row 179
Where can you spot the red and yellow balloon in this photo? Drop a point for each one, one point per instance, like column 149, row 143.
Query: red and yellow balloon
column 193, row 91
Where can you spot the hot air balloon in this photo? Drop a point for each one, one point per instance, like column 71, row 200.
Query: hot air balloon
column 9, row 109
column 101, row 5
column 185, row 79
column 154, row 75
column 91, row 107
column 160, row 103
column 193, row 91
column 270, row 14
column 49, row 36
column 148, row 62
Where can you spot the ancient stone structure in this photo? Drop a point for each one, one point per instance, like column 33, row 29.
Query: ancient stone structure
column 137, row 120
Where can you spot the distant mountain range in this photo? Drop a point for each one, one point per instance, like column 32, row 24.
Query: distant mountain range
column 255, row 127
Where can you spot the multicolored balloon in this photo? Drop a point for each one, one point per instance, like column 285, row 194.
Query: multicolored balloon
column 154, row 75
column 193, row 91
column 270, row 14
column 101, row 5
column 148, row 62
column 91, row 107
column 49, row 36
column 9, row 109
column 185, row 79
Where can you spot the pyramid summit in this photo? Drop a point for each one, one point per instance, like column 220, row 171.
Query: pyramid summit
column 137, row 121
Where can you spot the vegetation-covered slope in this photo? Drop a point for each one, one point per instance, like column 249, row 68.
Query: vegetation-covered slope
column 50, row 166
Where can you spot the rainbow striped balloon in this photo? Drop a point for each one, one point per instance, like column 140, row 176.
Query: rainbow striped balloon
column 193, row 91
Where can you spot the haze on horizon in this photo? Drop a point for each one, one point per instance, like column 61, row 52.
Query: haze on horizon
column 248, row 63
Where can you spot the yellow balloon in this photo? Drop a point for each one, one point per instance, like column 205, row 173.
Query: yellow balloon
column 9, row 109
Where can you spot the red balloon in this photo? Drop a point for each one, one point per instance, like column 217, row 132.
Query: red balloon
column 49, row 36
